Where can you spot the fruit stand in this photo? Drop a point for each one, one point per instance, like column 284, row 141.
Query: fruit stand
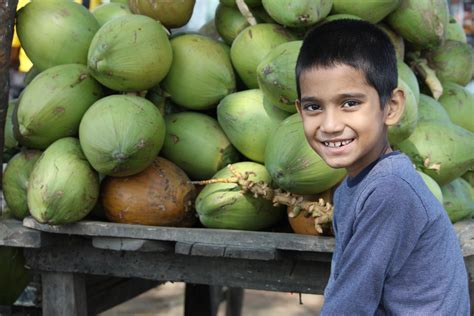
column 66, row 255
column 127, row 164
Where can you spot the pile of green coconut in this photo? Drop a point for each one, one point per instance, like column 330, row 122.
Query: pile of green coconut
column 122, row 113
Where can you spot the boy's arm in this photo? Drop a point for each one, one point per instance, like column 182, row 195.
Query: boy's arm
column 385, row 232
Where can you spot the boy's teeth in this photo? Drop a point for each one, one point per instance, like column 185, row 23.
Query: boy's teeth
column 337, row 144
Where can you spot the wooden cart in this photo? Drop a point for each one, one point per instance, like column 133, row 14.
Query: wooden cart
column 68, row 256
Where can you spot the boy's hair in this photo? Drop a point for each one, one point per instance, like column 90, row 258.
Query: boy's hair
column 356, row 43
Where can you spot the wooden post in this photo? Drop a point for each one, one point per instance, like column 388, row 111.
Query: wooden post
column 64, row 294
column 7, row 20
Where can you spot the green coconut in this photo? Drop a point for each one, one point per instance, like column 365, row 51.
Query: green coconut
column 230, row 22
column 406, row 74
column 293, row 164
column 201, row 73
column 158, row 97
column 334, row 17
column 223, row 205
column 432, row 185
column 197, row 144
column 63, row 188
column 469, row 177
column 15, row 181
column 276, row 75
column 459, row 104
column 9, row 141
column 52, row 105
column 397, row 41
column 55, row 32
column 440, row 149
column 10, row 144
column 422, row 23
column 109, row 11
column 458, row 201
column 455, row 31
column 407, row 124
column 251, row 46
column 14, row 276
column 373, row 11
column 30, row 75
column 452, row 61
column 131, row 53
column 248, row 121
column 430, row 110
column 121, row 135
column 297, row 13
column 249, row 3
column 171, row 14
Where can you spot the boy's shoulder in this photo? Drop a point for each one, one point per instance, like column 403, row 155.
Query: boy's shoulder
column 394, row 181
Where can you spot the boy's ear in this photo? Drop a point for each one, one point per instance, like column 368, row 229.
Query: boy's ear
column 395, row 108
column 298, row 106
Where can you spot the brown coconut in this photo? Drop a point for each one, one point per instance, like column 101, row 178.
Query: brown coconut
column 161, row 195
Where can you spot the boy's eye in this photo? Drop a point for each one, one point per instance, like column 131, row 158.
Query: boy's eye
column 350, row 103
column 311, row 107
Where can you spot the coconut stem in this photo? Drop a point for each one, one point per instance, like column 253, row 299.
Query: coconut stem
column 244, row 9
column 320, row 210
column 420, row 65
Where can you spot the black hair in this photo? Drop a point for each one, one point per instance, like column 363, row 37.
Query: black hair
column 355, row 43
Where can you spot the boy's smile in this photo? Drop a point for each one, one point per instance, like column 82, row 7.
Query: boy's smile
column 342, row 118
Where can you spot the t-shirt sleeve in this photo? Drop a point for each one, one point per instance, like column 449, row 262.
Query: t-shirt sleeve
column 388, row 224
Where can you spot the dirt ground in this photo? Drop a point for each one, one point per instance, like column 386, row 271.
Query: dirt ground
column 168, row 299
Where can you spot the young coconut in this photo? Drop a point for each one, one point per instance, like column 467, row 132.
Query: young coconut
column 422, row 23
column 121, row 135
column 276, row 75
column 458, row 201
column 197, row 144
column 131, row 53
column 53, row 104
column 201, row 73
column 63, row 188
column 459, row 104
column 292, row 163
column 300, row 13
column 248, row 120
column 220, row 194
column 252, row 45
column 15, row 181
column 55, row 32
column 109, row 11
column 372, row 11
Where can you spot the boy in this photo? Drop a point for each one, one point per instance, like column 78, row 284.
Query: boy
column 396, row 250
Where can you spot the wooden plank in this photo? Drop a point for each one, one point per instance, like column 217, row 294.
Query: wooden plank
column 63, row 294
column 14, row 234
column 465, row 229
column 216, row 250
column 468, row 248
column 235, row 299
column 231, row 238
column 129, row 244
column 278, row 275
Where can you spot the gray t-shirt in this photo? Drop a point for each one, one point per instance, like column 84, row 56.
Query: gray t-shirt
column 396, row 249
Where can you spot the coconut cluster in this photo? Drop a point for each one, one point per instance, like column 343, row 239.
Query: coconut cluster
column 122, row 112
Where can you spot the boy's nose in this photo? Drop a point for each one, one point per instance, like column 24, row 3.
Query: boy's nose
column 331, row 123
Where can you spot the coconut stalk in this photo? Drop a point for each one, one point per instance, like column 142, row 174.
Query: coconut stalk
column 244, row 9
column 7, row 20
column 420, row 66
column 320, row 210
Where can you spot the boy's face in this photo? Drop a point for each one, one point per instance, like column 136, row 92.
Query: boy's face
column 342, row 118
